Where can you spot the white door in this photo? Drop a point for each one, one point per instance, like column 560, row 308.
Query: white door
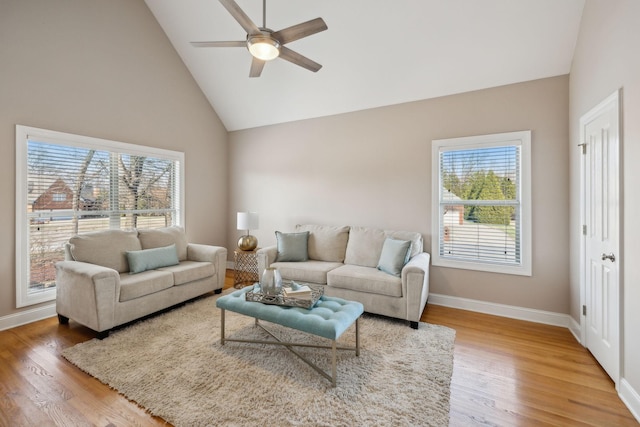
column 601, row 212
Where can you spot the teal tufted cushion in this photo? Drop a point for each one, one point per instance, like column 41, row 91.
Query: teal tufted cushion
column 150, row 259
column 329, row 318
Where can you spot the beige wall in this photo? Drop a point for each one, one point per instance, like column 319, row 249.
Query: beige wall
column 104, row 69
column 607, row 58
column 373, row 168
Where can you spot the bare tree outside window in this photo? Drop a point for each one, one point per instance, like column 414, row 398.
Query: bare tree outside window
column 74, row 190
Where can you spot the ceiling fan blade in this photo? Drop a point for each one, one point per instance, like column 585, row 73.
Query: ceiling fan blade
column 296, row 58
column 256, row 67
column 241, row 17
column 299, row 31
column 241, row 43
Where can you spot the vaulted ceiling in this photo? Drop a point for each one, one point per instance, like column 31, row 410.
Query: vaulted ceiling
column 374, row 53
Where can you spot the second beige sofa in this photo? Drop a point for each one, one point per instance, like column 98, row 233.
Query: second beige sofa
column 115, row 276
column 349, row 261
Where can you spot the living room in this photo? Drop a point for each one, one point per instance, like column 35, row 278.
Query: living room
column 107, row 70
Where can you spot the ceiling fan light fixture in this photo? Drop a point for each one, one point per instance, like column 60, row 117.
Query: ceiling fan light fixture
column 264, row 47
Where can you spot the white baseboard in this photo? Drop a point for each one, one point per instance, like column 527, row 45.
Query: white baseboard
column 231, row 265
column 510, row 311
column 575, row 329
column 630, row 397
column 27, row 316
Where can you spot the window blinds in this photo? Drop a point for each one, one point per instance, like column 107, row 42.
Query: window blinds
column 75, row 189
column 480, row 206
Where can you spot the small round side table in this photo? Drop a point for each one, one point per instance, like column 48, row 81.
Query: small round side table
column 246, row 268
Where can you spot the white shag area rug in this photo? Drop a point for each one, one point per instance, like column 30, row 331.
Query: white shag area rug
column 174, row 366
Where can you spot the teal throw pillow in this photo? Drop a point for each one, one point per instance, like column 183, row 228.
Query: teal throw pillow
column 292, row 247
column 395, row 254
column 149, row 259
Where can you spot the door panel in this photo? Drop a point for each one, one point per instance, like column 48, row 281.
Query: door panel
column 599, row 129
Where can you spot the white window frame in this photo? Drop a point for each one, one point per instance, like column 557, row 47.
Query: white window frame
column 520, row 138
column 23, row 134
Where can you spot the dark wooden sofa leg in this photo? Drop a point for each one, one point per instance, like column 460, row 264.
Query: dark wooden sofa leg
column 63, row 320
column 103, row 334
column 218, row 291
column 414, row 325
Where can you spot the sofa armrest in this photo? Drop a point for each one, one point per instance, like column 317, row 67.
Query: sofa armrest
column 87, row 293
column 217, row 255
column 415, row 284
column 266, row 257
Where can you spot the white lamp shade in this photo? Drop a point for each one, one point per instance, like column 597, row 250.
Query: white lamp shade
column 248, row 221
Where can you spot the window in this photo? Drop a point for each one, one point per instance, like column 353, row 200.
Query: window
column 68, row 184
column 59, row 197
column 482, row 203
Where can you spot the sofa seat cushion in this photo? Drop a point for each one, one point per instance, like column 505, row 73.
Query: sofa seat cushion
column 148, row 282
column 308, row 271
column 188, row 271
column 366, row 280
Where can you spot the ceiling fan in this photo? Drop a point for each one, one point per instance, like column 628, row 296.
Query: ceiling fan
column 265, row 44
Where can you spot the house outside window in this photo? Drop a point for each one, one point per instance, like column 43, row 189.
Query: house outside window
column 482, row 203
column 59, row 197
column 69, row 184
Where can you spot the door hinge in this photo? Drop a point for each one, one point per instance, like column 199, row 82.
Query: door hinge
column 584, row 148
column 584, row 230
column 584, row 310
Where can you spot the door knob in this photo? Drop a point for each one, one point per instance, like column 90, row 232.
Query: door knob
column 611, row 256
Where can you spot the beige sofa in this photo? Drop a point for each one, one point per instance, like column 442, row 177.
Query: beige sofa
column 349, row 261
column 112, row 277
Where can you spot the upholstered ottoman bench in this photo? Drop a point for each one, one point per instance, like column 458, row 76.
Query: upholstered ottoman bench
column 329, row 318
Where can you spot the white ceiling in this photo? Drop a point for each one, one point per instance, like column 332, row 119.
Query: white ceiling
column 375, row 53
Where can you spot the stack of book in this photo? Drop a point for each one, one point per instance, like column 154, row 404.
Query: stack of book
column 297, row 291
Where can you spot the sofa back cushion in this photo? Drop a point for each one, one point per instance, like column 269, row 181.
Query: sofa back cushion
column 365, row 244
column 415, row 239
column 326, row 243
column 161, row 237
column 106, row 248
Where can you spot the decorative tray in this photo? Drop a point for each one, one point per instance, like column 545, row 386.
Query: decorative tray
column 256, row 296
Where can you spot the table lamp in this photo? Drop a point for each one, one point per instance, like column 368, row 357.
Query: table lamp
column 247, row 221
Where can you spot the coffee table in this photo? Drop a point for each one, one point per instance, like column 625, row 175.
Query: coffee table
column 329, row 318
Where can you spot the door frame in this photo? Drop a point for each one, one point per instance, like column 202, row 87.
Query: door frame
column 616, row 99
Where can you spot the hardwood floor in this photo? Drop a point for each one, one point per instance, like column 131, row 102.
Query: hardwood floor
column 516, row 373
column 506, row 373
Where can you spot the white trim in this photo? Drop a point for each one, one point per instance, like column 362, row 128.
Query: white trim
column 630, row 397
column 502, row 310
column 27, row 316
column 576, row 329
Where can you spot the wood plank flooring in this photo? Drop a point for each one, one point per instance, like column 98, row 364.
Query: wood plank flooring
column 506, row 373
